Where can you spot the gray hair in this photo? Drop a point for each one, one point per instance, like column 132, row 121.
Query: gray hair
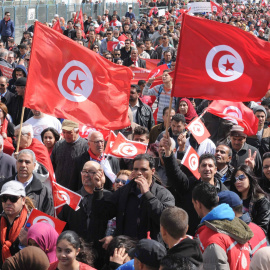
column 1, row 143
column 28, row 152
column 26, row 128
column 4, row 78
column 92, row 132
column 3, row 53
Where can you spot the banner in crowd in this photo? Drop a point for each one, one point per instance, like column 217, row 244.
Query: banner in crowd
column 139, row 74
column 66, row 85
column 6, row 71
column 191, row 161
column 38, row 216
column 219, row 62
column 237, row 113
column 199, row 7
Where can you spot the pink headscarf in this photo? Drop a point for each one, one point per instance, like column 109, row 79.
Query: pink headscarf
column 46, row 237
column 191, row 113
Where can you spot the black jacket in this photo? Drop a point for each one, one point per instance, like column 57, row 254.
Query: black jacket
column 188, row 248
column 7, row 166
column 124, row 53
column 147, row 215
column 144, row 116
column 78, row 166
column 70, row 33
column 128, row 62
column 7, row 98
column 40, row 195
column 183, row 186
column 265, row 185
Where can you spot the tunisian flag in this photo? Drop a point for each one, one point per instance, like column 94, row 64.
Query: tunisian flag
column 198, row 130
column 38, row 216
column 220, row 62
column 158, row 71
column 110, row 142
column 75, row 83
column 57, row 27
column 191, row 161
column 216, row 7
column 237, row 113
column 124, row 148
column 111, row 45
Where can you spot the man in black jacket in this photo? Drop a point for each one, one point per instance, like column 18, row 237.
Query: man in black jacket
column 39, row 193
column 184, row 184
column 138, row 205
column 142, row 113
column 4, row 93
column 134, row 61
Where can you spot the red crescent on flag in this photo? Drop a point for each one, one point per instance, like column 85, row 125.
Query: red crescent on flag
column 65, row 79
column 216, row 60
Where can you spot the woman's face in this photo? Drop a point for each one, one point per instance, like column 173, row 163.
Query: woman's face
column 266, row 168
column 66, row 253
column 183, row 107
column 49, row 139
column 241, row 182
column 120, row 179
column 32, row 242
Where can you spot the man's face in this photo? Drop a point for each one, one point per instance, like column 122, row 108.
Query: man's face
column 134, row 54
column 88, row 172
column 109, row 35
column 166, row 115
column 140, row 138
column 96, row 144
column 20, row 90
column 92, row 34
column 7, row 16
column 141, row 167
column 207, row 169
column 141, row 48
column 25, row 138
column 166, row 77
column 13, row 209
column 10, row 58
column 3, row 84
column 22, row 51
column 127, row 44
column 177, row 128
column 237, row 142
column 117, row 54
column 2, row 46
column 165, row 41
column 25, row 166
column 36, row 113
column 114, row 18
column 79, row 34
column 148, row 45
column 222, row 154
column 19, row 74
column 126, row 27
column 133, row 95
column 152, row 28
column 161, row 149
column 70, row 25
column 261, row 116
column 70, row 135
column 134, row 25
column 267, row 108
column 168, row 57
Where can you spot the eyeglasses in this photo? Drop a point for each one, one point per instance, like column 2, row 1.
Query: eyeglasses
column 240, row 177
column 164, row 38
column 88, row 172
column 108, row 33
column 109, row 58
column 3, row 85
column 97, row 142
column 117, row 54
column 117, row 181
column 12, row 199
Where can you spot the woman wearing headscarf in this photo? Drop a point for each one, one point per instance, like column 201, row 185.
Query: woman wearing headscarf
column 187, row 109
column 44, row 236
column 29, row 258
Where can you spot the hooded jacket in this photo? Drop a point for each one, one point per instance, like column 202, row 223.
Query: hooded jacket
column 11, row 86
column 223, row 239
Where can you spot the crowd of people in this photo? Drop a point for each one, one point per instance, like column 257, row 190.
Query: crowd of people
column 154, row 214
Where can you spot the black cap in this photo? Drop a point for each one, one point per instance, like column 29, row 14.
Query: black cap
column 148, row 252
column 21, row 82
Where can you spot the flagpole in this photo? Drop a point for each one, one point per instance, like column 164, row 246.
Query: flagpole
column 169, row 114
column 20, row 131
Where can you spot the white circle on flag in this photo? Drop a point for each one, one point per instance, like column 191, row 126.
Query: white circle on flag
column 197, row 129
column 43, row 219
column 127, row 149
column 228, row 67
column 75, row 81
column 62, row 195
column 193, row 162
column 233, row 111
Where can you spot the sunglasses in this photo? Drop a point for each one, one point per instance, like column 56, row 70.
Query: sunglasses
column 117, row 54
column 3, row 85
column 241, row 177
column 108, row 33
column 117, row 181
column 13, row 199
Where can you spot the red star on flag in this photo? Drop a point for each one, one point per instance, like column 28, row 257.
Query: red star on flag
column 228, row 65
column 77, row 83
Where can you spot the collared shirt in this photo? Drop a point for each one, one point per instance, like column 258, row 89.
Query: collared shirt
column 25, row 184
column 134, row 110
column 2, row 95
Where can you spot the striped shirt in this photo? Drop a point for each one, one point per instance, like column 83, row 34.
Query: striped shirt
column 164, row 98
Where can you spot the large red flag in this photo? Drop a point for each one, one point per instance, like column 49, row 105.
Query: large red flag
column 124, row 148
column 191, row 161
column 57, row 27
column 236, row 112
column 78, row 84
column 228, row 63
column 38, row 216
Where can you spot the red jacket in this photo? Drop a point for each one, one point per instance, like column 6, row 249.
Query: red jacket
column 238, row 254
column 258, row 240
column 83, row 266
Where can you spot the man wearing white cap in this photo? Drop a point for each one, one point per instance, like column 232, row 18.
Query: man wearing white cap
column 13, row 218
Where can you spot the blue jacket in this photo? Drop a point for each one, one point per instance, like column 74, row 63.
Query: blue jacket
column 222, row 211
column 7, row 29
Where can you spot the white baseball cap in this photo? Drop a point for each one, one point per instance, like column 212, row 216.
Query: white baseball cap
column 14, row 188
